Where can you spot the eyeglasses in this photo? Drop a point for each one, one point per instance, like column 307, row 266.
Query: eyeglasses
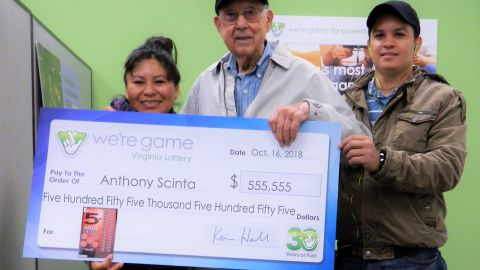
column 251, row 15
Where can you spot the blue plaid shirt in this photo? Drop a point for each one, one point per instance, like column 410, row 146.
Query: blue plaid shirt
column 376, row 102
column 247, row 85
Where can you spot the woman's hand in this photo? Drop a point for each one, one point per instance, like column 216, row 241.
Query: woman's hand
column 106, row 264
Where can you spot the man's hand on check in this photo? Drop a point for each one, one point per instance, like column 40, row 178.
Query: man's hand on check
column 285, row 121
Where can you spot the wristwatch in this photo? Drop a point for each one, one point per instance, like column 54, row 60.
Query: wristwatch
column 382, row 156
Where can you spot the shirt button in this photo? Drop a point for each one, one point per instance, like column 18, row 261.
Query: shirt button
column 245, row 91
column 427, row 207
column 367, row 253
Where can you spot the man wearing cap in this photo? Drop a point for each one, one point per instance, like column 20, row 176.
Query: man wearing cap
column 391, row 209
column 262, row 79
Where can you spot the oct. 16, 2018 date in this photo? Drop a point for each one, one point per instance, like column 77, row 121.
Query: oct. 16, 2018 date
column 269, row 153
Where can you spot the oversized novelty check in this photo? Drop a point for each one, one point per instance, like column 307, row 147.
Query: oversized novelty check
column 182, row 190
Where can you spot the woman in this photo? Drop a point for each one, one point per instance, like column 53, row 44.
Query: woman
column 151, row 79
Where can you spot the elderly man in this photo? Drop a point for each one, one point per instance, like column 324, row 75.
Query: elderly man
column 263, row 79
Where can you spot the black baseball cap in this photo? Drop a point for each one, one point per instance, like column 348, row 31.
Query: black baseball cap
column 398, row 8
column 219, row 4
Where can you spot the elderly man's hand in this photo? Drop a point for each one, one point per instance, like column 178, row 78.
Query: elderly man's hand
column 422, row 60
column 286, row 121
column 360, row 150
column 106, row 264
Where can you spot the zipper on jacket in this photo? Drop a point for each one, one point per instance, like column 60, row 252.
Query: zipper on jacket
column 362, row 109
column 398, row 95
column 355, row 191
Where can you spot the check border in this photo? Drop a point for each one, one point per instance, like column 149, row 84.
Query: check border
column 47, row 115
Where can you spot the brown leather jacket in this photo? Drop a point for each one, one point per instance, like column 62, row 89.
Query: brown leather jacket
column 422, row 130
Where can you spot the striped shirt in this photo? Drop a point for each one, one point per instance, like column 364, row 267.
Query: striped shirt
column 247, row 85
column 376, row 102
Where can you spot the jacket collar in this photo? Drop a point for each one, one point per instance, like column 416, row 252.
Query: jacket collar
column 281, row 55
column 409, row 87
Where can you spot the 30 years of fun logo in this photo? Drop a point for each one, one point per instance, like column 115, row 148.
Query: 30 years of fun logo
column 306, row 239
column 71, row 141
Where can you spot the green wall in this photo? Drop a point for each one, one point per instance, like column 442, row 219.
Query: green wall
column 103, row 32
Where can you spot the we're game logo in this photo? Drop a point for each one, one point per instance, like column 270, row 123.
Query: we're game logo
column 71, row 141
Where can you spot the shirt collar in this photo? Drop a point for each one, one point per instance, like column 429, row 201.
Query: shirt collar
column 374, row 91
column 267, row 54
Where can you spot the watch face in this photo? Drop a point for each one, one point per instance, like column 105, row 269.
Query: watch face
column 382, row 156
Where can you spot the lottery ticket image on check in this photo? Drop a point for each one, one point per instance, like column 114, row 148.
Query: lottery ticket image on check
column 97, row 233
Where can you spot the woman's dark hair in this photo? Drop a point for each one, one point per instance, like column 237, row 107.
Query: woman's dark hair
column 159, row 48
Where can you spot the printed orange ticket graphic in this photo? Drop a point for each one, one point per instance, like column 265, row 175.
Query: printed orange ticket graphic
column 97, row 233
